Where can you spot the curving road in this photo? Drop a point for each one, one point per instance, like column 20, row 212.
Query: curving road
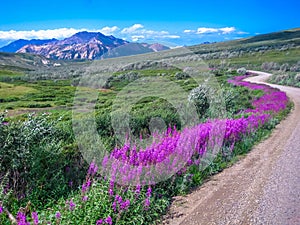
column 262, row 188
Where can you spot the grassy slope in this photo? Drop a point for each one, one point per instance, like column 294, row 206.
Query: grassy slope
column 253, row 48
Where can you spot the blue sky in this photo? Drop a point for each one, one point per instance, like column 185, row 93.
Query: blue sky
column 173, row 22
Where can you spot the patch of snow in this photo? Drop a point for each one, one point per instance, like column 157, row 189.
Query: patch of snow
column 45, row 62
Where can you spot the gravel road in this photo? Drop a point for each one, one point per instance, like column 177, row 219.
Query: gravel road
column 262, row 188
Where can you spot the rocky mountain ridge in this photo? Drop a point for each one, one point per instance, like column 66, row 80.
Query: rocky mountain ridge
column 84, row 45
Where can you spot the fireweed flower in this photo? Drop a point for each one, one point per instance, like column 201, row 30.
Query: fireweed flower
column 72, row 205
column 149, row 191
column 85, row 198
column 35, row 218
column 114, row 206
column 21, row 219
column 92, row 169
column 1, row 209
column 119, row 199
column 111, row 185
column 58, row 215
column 147, row 204
column 86, row 186
column 99, row 222
column 125, row 205
column 108, row 220
column 138, row 190
column 110, row 192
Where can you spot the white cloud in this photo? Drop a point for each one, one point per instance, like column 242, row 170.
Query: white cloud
column 173, row 47
column 137, row 32
column 132, row 29
column 40, row 34
column 242, row 32
column 211, row 30
column 109, row 30
column 189, row 31
column 204, row 30
column 171, row 36
column 59, row 33
column 147, row 36
column 154, row 32
column 137, row 37
column 227, row 30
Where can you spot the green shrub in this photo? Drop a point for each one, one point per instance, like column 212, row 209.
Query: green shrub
column 37, row 166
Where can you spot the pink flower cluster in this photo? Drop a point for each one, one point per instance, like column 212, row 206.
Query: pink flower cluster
column 273, row 100
column 172, row 151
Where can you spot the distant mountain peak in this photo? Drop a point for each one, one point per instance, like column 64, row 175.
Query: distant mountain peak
column 82, row 45
column 85, row 45
column 18, row 44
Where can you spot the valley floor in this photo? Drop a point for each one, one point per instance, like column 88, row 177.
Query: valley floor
column 262, row 188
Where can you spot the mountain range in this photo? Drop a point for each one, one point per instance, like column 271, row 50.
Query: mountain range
column 16, row 45
column 82, row 45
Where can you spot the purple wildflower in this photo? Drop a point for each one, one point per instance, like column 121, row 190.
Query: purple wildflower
column 119, row 199
column 85, row 198
column 72, row 205
column 1, row 209
column 111, row 184
column 146, row 204
column 35, row 218
column 124, row 205
column 86, row 186
column 99, row 222
column 93, row 169
column 149, row 191
column 114, row 206
column 108, row 220
column 21, row 219
column 58, row 215
column 190, row 162
column 110, row 192
column 138, row 190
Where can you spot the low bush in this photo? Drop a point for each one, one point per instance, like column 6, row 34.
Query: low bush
column 33, row 159
column 287, row 78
